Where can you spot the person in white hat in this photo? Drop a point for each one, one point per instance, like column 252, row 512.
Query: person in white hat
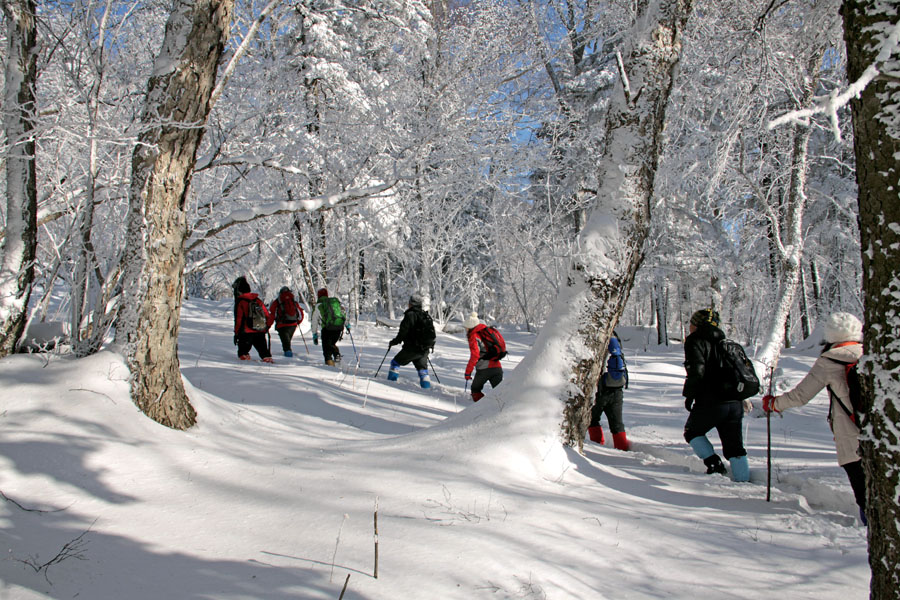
column 843, row 348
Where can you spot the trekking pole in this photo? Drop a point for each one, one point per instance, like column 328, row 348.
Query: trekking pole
column 438, row 379
column 303, row 337
column 769, row 438
column 382, row 362
column 352, row 343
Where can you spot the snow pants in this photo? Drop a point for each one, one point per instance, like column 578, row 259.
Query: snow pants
column 257, row 340
column 726, row 417
column 609, row 401
column 494, row 375
column 408, row 355
column 285, row 334
column 330, row 339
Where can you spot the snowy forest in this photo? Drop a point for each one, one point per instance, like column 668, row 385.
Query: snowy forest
column 560, row 166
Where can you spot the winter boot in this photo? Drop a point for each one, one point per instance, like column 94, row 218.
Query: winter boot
column 268, row 359
column 288, row 354
column 740, row 468
column 329, row 362
column 595, row 434
column 244, row 357
column 423, row 379
column 714, row 465
column 394, row 371
column 620, row 441
column 476, row 396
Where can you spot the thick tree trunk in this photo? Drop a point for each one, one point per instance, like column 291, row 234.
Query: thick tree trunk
column 174, row 115
column 877, row 145
column 613, row 240
column 20, row 242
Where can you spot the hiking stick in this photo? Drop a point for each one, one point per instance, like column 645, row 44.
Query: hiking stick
column 438, row 379
column 769, row 438
column 352, row 343
column 382, row 362
column 303, row 337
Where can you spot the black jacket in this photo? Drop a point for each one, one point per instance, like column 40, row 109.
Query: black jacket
column 409, row 327
column 702, row 364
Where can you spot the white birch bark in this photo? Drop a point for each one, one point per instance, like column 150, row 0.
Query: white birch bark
column 20, row 242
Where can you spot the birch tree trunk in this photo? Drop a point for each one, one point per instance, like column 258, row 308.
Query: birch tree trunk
column 174, row 116
column 877, row 145
column 20, row 242
column 612, row 243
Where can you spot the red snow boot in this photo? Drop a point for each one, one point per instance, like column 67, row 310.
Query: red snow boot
column 595, row 433
column 476, row 396
column 620, row 441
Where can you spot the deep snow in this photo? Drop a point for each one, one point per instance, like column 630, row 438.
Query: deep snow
column 273, row 494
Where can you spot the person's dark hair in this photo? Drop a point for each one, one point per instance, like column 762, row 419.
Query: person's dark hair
column 240, row 286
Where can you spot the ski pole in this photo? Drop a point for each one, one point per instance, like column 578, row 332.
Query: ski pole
column 438, row 379
column 769, row 439
column 382, row 362
column 303, row 337
column 352, row 343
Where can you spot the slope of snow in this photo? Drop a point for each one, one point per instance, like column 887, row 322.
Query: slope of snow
column 274, row 493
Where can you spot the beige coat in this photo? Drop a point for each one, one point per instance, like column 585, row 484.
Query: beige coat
column 826, row 372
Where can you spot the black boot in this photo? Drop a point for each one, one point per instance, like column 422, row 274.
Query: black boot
column 714, row 465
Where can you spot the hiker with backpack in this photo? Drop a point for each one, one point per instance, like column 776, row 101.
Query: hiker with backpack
column 251, row 322
column 330, row 316
column 417, row 336
column 833, row 370
column 610, row 397
column 287, row 315
column 712, row 403
column 486, row 348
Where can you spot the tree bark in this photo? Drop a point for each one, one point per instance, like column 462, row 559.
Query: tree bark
column 613, row 240
column 20, row 242
column 876, row 145
column 174, row 116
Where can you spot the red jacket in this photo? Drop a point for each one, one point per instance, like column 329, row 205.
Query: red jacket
column 275, row 309
column 242, row 312
column 476, row 347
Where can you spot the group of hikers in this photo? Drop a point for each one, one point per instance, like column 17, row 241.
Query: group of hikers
column 714, row 402
column 253, row 319
column 712, row 364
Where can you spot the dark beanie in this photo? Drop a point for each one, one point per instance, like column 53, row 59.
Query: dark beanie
column 705, row 315
column 322, row 293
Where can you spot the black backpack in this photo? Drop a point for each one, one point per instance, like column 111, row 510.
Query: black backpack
column 737, row 376
column 856, row 411
column 422, row 332
column 256, row 316
column 494, row 344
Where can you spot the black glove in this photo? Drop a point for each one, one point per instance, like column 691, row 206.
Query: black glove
column 235, row 339
column 688, row 404
column 392, row 343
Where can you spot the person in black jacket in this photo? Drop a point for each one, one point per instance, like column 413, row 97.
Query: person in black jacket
column 704, row 399
column 417, row 336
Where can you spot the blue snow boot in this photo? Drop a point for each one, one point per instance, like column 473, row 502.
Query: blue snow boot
column 740, row 468
column 394, row 371
column 288, row 354
column 423, row 379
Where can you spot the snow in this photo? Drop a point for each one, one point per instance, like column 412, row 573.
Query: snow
column 273, row 493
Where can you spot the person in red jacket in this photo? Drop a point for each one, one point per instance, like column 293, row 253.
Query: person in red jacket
column 485, row 370
column 287, row 315
column 245, row 336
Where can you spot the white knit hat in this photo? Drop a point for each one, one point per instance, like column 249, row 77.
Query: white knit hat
column 842, row 327
column 471, row 321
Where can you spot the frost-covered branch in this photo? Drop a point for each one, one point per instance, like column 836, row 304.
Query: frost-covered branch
column 835, row 101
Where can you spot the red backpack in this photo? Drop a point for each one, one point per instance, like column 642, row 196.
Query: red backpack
column 288, row 311
column 494, row 344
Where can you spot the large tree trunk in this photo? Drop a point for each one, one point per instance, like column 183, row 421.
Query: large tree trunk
column 613, row 240
column 877, row 145
column 174, row 115
column 20, row 243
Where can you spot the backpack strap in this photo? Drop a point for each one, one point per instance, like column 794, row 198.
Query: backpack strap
column 835, row 397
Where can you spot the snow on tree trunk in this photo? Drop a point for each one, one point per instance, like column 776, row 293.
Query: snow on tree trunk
column 20, row 242
column 174, row 115
column 567, row 354
column 877, row 147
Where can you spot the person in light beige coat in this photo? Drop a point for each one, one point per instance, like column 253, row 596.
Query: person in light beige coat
column 843, row 345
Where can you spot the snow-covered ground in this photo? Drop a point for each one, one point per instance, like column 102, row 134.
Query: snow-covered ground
column 273, row 495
